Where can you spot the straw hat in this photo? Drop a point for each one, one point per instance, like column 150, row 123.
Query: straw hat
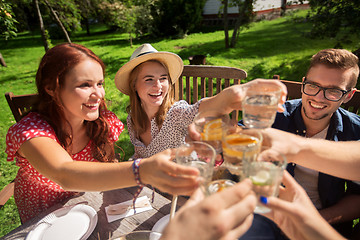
column 142, row 54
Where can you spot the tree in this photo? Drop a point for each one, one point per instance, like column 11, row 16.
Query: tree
column 176, row 17
column 144, row 19
column 87, row 9
column 59, row 23
column 283, row 7
column 64, row 13
column 329, row 17
column 245, row 17
column 226, row 23
column 44, row 33
column 119, row 15
column 7, row 24
column 131, row 16
column 7, row 21
column 336, row 19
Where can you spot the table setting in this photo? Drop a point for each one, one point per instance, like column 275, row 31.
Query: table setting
column 225, row 155
column 97, row 215
column 70, row 222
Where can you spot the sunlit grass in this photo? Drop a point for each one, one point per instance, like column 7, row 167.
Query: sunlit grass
column 272, row 47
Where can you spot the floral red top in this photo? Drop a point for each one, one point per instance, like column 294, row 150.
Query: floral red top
column 33, row 192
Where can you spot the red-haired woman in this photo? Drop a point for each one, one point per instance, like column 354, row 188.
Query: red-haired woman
column 66, row 143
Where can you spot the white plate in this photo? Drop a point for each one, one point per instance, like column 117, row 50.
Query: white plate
column 72, row 222
column 161, row 224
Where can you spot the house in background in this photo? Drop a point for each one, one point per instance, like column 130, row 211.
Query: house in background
column 262, row 8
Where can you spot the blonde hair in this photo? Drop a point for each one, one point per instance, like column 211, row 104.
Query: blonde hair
column 338, row 58
column 135, row 108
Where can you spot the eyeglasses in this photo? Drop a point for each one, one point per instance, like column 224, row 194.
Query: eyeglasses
column 331, row 94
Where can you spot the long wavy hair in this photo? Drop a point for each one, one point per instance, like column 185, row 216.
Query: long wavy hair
column 135, row 108
column 53, row 68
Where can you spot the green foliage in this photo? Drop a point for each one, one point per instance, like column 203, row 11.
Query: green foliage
column 86, row 7
column 245, row 17
column 113, row 13
column 20, row 9
column 7, row 21
column 48, row 40
column 266, row 48
column 176, row 17
column 133, row 17
column 144, row 18
column 68, row 13
column 331, row 16
column 245, row 10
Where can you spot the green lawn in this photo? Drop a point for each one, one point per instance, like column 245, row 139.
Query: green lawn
column 266, row 48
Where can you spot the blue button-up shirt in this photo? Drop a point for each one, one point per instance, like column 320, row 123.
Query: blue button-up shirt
column 344, row 126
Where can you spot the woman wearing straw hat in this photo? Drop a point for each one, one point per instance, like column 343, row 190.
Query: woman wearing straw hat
column 155, row 122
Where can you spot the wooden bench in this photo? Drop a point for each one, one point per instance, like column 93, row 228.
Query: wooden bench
column 198, row 81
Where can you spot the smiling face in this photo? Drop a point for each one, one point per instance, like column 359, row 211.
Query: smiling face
column 318, row 108
column 83, row 91
column 152, row 85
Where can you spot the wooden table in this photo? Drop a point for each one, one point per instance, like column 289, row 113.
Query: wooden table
column 100, row 200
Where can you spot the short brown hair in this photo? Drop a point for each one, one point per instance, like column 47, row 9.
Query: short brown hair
column 337, row 58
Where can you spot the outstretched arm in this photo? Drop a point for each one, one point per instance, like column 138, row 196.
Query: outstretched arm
column 231, row 98
column 52, row 161
column 340, row 159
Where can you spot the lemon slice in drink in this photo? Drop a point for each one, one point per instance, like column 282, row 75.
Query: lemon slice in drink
column 212, row 130
column 239, row 140
column 261, row 178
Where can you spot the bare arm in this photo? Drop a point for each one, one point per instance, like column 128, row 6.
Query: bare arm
column 340, row 159
column 231, row 98
column 51, row 160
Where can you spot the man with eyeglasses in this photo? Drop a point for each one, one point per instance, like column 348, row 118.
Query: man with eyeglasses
column 330, row 81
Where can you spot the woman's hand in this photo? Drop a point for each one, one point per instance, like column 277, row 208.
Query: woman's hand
column 224, row 215
column 295, row 214
column 161, row 172
column 231, row 98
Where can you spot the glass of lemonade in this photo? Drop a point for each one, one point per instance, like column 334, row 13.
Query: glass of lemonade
column 266, row 174
column 240, row 146
column 199, row 155
column 210, row 125
column 260, row 105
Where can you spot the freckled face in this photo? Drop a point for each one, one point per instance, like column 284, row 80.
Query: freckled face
column 83, row 90
column 318, row 107
column 152, row 84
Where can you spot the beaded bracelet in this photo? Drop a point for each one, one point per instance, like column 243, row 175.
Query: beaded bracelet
column 136, row 171
column 135, row 167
